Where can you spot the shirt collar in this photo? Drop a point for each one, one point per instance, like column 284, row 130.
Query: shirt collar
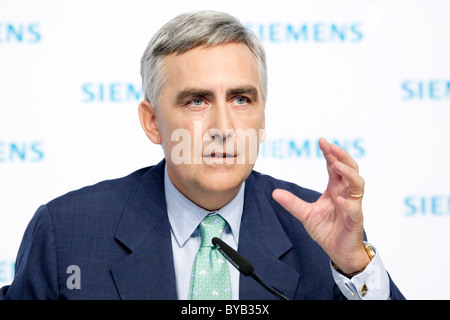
column 185, row 216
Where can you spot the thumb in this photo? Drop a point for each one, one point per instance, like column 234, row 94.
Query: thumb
column 296, row 206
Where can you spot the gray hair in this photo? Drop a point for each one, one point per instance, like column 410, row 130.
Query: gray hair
column 190, row 30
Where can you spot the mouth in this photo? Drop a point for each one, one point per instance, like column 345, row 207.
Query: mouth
column 219, row 155
column 220, row 158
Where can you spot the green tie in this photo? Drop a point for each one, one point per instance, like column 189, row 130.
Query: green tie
column 210, row 274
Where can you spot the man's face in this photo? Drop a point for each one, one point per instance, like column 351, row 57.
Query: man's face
column 212, row 97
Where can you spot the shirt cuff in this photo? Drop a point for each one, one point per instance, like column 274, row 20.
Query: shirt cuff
column 371, row 284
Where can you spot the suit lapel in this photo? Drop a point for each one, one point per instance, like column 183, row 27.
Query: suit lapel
column 144, row 230
column 263, row 241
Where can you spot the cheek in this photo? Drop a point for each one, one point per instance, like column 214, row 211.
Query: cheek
column 179, row 141
column 171, row 125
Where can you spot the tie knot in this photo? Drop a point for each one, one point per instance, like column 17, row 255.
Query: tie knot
column 212, row 226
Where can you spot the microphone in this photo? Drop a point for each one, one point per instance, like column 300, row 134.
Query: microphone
column 243, row 266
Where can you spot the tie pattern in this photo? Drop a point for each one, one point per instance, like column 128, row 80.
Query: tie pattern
column 210, row 274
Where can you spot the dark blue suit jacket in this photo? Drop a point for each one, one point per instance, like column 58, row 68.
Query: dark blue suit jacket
column 117, row 232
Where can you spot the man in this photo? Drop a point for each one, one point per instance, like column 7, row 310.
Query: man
column 141, row 236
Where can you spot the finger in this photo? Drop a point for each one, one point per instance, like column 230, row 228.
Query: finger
column 349, row 174
column 356, row 182
column 293, row 204
column 324, row 145
column 329, row 157
column 343, row 156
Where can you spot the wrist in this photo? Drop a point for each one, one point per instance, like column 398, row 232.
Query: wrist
column 358, row 265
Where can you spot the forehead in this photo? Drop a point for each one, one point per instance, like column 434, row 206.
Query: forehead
column 225, row 65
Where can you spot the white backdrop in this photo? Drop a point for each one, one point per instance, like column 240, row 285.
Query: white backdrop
column 372, row 76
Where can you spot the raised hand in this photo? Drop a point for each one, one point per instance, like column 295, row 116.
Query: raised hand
column 335, row 220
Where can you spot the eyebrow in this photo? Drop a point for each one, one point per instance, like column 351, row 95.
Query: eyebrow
column 191, row 93
column 248, row 90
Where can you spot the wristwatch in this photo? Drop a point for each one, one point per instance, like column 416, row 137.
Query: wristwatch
column 370, row 252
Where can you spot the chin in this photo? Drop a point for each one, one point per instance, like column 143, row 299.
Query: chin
column 222, row 178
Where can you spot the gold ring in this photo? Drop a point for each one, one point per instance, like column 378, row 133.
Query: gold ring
column 355, row 195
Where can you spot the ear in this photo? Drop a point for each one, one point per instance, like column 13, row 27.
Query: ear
column 147, row 117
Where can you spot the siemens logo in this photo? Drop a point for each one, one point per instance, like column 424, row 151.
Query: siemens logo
column 297, row 149
column 320, row 32
column 431, row 205
column 116, row 92
column 20, row 32
column 21, row 151
column 434, row 90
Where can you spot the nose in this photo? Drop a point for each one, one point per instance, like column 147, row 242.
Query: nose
column 221, row 126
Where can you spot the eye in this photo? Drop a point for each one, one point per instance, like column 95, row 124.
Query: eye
column 197, row 102
column 241, row 100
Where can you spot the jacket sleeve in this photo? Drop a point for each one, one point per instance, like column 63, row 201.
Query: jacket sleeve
column 36, row 264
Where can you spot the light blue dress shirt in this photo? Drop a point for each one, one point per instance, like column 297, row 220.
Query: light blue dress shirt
column 184, row 218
